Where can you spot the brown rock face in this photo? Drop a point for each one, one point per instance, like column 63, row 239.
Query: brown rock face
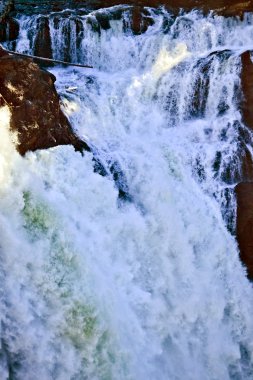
column 9, row 29
column 42, row 43
column 244, row 192
column 247, row 89
column 225, row 7
column 33, row 100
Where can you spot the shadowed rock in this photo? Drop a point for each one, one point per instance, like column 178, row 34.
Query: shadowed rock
column 42, row 43
column 247, row 113
column 247, row 89
column 36, row 114
column 9, row 29
column 244, row 190
column 244, row 228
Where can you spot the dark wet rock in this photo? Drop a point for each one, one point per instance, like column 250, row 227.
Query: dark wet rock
column 9, row 29
column 247, row 89
column 36, row 114
column 201, row 88
column 120, row 181
column 244, row 227
column 42, row 43
column 140, row 20
column 111, row 168
column 246, row 102
column 198, row 101
column 103, row 20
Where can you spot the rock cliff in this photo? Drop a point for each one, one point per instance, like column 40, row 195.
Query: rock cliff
column 36, row 113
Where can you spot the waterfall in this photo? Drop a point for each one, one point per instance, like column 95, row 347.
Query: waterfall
column 99, row 288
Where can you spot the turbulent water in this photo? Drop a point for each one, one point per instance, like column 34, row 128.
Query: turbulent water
column 151, row 287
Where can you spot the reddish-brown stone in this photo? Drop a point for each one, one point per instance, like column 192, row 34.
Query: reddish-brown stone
column 140, row 21
column 224, row 7
column 34, row 102
column 244, row 192
column 247, row 89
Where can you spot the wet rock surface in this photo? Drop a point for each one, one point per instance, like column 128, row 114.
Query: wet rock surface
column 247, row 89
column 42, row 43
column 225, row 7
column 9, row 29
column 244, row 192
column 36, row 114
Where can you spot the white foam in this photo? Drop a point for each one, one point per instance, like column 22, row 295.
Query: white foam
column 152, row 289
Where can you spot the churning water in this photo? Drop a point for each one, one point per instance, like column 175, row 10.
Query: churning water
column 149, row 288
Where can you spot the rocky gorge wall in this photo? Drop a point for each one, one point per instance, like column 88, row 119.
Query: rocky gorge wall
column 225, row 7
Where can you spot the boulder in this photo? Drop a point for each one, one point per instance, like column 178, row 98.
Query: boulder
column 244, row 227
column 36, row 113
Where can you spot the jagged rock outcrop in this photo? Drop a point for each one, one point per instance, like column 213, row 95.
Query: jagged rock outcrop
column 36, row 114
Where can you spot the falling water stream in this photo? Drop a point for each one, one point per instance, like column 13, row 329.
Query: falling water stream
column 151, row 287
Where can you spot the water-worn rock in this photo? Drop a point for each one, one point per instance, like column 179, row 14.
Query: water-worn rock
column 9, row 29
column 247, row 89
column 36, row 114
column 42, row 43
column 244, row 192
column 247, row 112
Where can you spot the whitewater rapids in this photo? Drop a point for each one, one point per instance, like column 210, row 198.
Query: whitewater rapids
column 98, row 288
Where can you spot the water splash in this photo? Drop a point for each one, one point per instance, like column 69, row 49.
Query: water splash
column 148, row 289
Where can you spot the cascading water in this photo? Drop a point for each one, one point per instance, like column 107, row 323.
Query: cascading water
column 97, row 288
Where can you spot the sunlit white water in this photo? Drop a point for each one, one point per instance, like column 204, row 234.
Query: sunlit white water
column 97, row 288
